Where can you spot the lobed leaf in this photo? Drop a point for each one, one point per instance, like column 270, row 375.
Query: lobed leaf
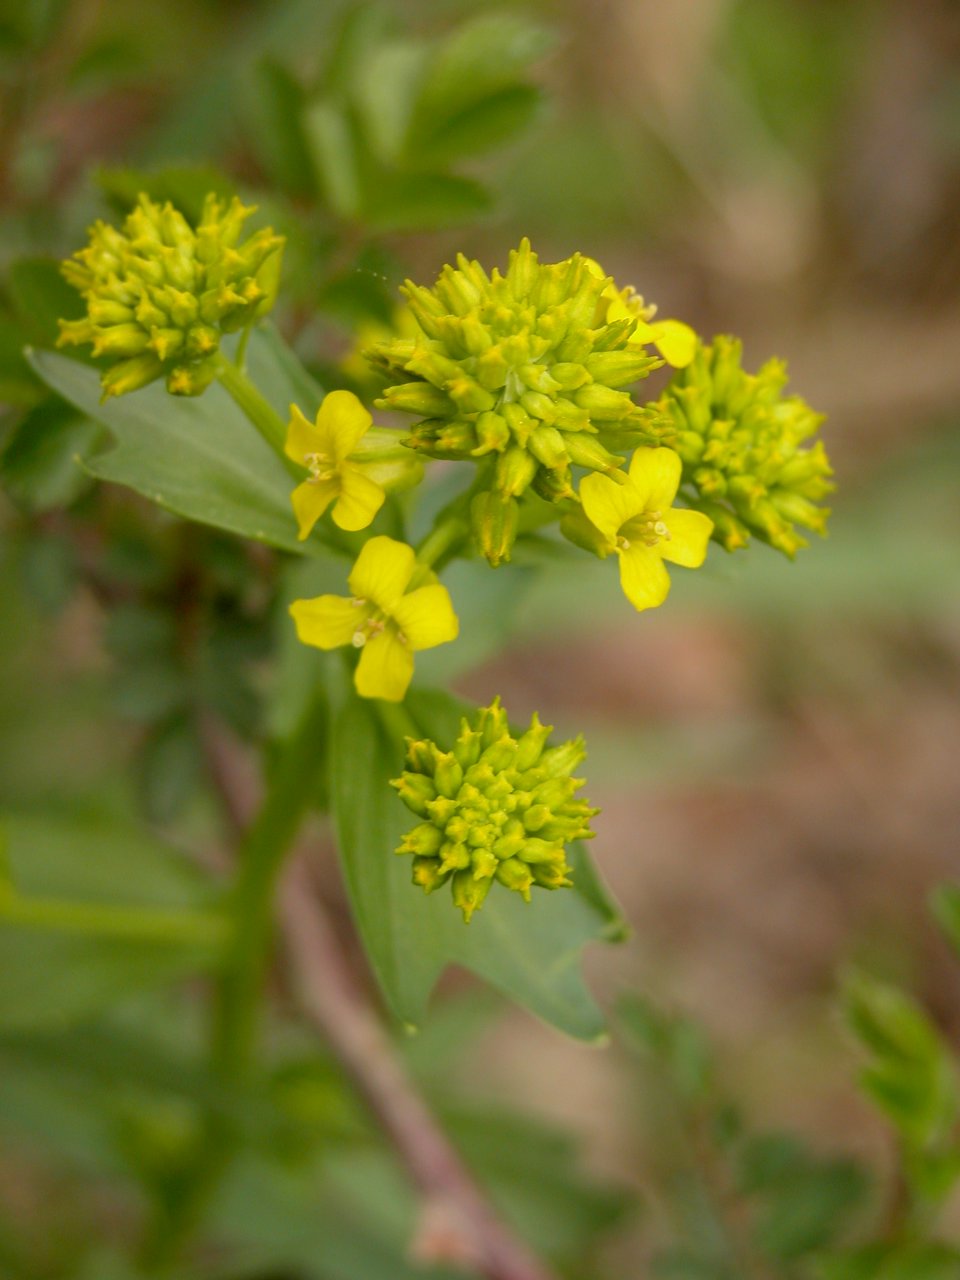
column 198, row 458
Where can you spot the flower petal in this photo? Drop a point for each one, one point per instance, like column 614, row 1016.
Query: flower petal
column 675, row 341
column 385, row 668
column 302, row 438
column 382, row 571
column 342, row 420
column 689, row 534
column 327, row 621
column 644, row 580
column 360, row 499
column 426, row 617
column 656, row 474
column 310, row 500
column 609, row 505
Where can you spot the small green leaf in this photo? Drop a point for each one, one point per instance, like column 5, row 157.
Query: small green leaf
column 274, row 103
column 480, row 57
column 18, row 386
column 803, row 1202
column 481, row 126
column 40, row 467
column 332, row 148
column 911, row 1075
column 185, row 186
column 529, row 951
column 946, row 908
column 676, row 1045
column 170, row 765
column 199, row 458
column 384, row 96
column 425, row 201
column 40, row 297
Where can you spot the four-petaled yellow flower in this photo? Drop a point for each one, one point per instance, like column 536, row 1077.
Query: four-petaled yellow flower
column 639, row 522
column 383, row 619
column 675, row 341
column 324, row 448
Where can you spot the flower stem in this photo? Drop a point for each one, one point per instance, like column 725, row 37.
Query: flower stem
column 441, row 542
column 292, row 789
column 255, row 406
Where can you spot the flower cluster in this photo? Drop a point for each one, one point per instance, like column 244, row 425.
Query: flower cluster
column 522, row 369
column 494, row 807
column 384, row 618
column 638, row 522
column 160, row 294
column 745, row 449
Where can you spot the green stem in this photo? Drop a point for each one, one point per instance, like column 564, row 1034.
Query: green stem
column 437, row 548
column 397, row 720
column 292, row 788
column 257, row 408
column 240, row 357
column 107, row 920
column 293, row 785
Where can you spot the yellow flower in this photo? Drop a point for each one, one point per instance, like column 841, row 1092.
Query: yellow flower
column 675, row 340
column 324, row 448
column 383, row 619
column 639, row 522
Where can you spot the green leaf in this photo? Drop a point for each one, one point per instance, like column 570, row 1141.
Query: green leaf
column 482, row 125
column 199, row 457
column 676, row 1045
column 18, row 386
column 349, row 1217
column 946, row 908
column 425, row 201
column 803, row 1202
column 185, row 186
column 528, row 951
column 170, row 764
column 40, row 466
column 52, row 976
column 40, row 297
column 331, row 145
column 274, row 104
column 480, row 57
column 384, row 95
column 912, row 1075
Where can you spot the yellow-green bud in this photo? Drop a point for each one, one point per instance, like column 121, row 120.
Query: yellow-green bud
column 493, row 520
column 164, row 292
column 503, row 809
column 746, row 449
column 527, row 361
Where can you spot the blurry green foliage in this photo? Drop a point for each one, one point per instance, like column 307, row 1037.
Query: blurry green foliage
column 738, row 1202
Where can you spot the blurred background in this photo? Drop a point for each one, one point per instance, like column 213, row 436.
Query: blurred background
column 775, row 752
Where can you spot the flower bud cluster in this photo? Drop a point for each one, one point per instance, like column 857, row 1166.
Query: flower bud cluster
column 160, row 293
column 521, row 369
column 745, row 449
column 494, row 807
